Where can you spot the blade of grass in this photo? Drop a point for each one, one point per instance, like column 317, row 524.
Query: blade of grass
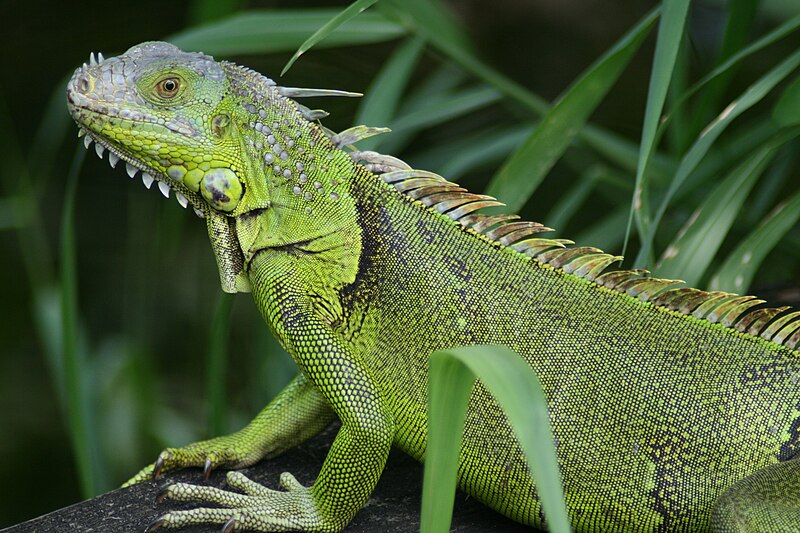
column 209, row 10
column 381, row 99
column 526, row 168
column 691, row 252
column 739, row 268
column 775, row 35
column 449, row 386
column 262, row 31
column 607, row 232
column 754, row 94
column 74, row 364
column 678, row 132
column 478, row 150
column 612, row 146
column 741, row 15
column 216, row 367
column 566, row 207
column 670, row 33
column 453, row 48
column 436, row 111
column 432, row 16
column 517, row 390
column 787, row 110
column 328, row 28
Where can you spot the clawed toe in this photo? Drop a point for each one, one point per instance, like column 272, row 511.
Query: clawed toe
column 155, row 524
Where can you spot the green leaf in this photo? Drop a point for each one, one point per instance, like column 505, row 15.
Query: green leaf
column 787, row 111
column 430, row 18
column 217, row 367
column 738, row 270
column 265, row 31
column 605, row 142
column 607, row 232
column 209, row 10
column 517, row 390
column 328, row 28
column 527, row 167
column 690, row 253
column 670, row 33
column 74, row 363
column 754, row 94
column 383, row 95
column 435, row 111
column 773, row 36
column 741, row 16
column 568, row 204
column 480, row 149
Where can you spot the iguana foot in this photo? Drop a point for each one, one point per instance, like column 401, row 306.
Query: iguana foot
column 231, row 451
column 256, row 508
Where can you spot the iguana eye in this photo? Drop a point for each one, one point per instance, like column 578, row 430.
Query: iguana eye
column 167, row 88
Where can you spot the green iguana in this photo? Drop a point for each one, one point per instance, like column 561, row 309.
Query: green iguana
column 660, row 397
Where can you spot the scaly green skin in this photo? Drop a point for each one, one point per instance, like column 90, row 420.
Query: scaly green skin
column 362, row 270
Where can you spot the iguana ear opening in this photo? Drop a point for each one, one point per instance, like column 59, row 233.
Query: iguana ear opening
column 230, row 260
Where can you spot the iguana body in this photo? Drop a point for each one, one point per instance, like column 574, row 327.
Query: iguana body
column 362, row 267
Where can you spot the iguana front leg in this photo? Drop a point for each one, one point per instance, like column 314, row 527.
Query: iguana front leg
column 357, row 456
column 298, row 413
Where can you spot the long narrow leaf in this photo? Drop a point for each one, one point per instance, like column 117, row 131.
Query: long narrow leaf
column 773, row 36
column 787, row 110
column 738, row 270
column 74, row 364
column 605, row 142
column 209, row 10
column 436, row 111
column 527, row 167
column 216, row 367
column 432, row 17
column 741, row 15
column 328, row 28
column 670, row 33
column 518, row 392
column 263, row 31
column 754, row 94
column 689, row 255
column 450, row 383
column 380, row 102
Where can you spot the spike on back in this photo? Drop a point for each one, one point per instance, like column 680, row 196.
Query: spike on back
column 745, row 314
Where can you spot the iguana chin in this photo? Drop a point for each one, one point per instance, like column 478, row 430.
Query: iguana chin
column 661, row 397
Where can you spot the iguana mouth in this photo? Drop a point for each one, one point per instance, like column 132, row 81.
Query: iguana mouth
column 132, row 166
column 79, row 103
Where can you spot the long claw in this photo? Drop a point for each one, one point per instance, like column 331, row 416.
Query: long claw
column 158, row 466
column 207, row 468
column 162, row 494
column 155, row 524
column 229, row 526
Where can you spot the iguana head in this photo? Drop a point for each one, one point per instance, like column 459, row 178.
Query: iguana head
column 222, row 137
column 163, row 111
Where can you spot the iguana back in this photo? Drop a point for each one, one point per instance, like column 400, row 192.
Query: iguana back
column 660, row 397
column 655, row 412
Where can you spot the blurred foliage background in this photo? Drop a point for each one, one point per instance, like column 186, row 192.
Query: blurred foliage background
column 116, row 340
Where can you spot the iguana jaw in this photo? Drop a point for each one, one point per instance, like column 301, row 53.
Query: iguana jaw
column 149, row 176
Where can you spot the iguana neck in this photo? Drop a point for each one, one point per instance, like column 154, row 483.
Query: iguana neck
column 299, row 193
